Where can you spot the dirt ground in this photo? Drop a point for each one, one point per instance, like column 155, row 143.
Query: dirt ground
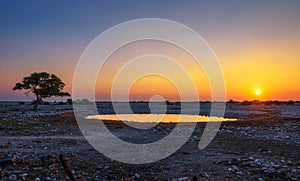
column 261, row 147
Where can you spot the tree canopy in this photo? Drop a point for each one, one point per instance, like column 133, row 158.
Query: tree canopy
column 43, row 85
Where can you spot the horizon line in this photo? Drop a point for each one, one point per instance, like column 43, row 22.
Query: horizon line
column 231, row 100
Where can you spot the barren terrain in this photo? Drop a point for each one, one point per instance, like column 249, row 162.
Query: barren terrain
column 263, row 144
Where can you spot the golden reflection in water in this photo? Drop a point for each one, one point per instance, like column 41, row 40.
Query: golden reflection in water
column 156, row 118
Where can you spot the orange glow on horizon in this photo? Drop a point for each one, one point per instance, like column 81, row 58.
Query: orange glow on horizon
column 149, row 86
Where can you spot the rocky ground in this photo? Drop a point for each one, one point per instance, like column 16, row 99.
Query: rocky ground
column 47, row 144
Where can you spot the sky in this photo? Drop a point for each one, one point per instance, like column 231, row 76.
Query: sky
column 256, row 42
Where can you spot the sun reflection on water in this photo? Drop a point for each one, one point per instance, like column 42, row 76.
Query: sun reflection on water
column 152, row 118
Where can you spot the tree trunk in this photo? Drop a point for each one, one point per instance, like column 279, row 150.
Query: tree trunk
column 37, row 102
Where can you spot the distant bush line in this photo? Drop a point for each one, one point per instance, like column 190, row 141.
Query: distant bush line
column 86, row 101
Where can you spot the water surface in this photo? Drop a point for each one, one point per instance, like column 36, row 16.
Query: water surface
column 156, row 118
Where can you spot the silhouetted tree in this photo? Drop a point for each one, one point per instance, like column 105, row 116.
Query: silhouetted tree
column 43, row 85
column 168, row 102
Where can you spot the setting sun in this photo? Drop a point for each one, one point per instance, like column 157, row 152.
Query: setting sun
column 257, row 92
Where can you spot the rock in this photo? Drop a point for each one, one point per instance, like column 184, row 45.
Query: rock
column 228, row 163
column 247, row 128
column 246, row 164
column 253, row 165
column 239, row 173
column 100, row 166
column 272, row 170
column 229, row 131
column 23, row 176
column 261, row 179
column 233, row 168
column 264, row 151
column 37, row 179
column 181, row 179
column 137, row 176
column 196, row 138
column 258, row 161
column 276, row 166
column 37, row 168
column 265, row 164
column 106, row 167
column 245, row 158
column 12, row 177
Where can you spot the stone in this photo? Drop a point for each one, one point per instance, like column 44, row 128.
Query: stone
column 23, row 176
column 229, row 131
column 196, row 138
column 12, row 177
column 106, row 167
column 181, row 179
column 245, row 164
column 136, row 175
column 276, row 166
column 258, row 161
column 234, row 167
column 265, row 164
column 272, row 170
column 239, row 173
column 245, row 158
column 264, row 151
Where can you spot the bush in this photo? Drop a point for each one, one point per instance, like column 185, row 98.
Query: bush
column 21, row 103
column 69, row 101
column 46, row 103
